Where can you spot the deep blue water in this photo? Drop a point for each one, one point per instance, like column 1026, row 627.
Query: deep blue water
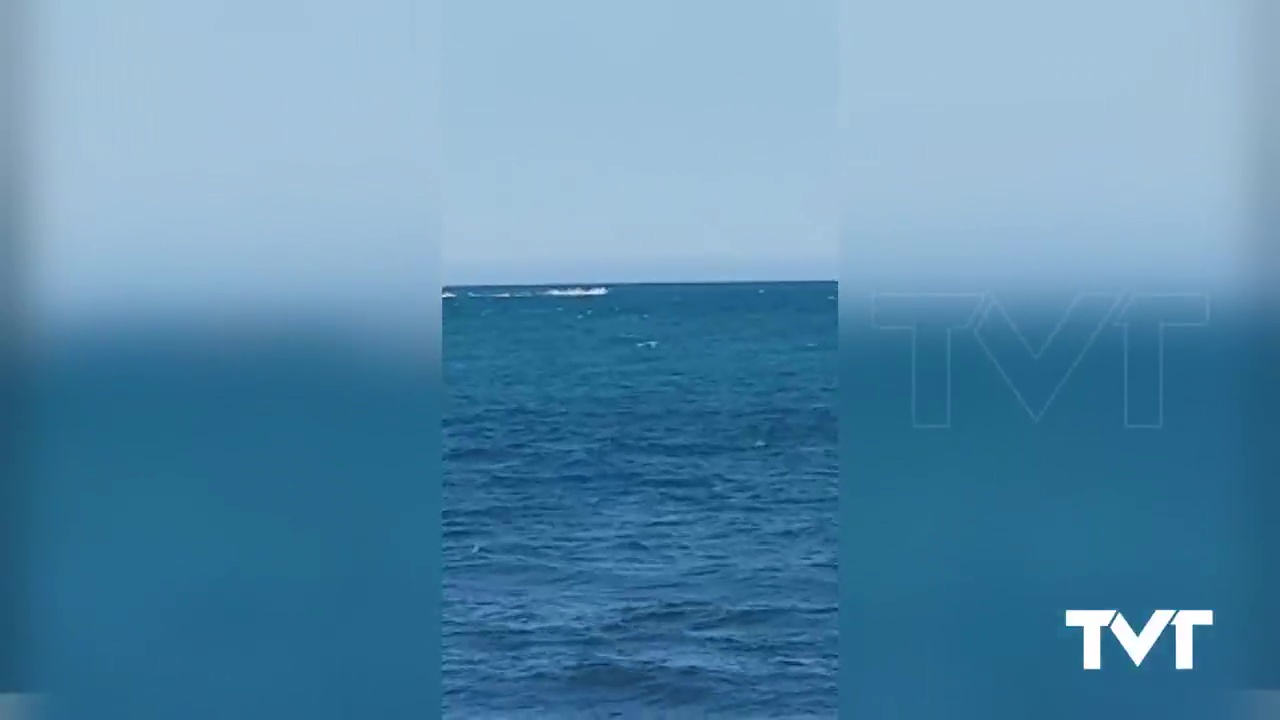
column 640, row 498
column 234, row 525
column 640, row 515
column 964, row 543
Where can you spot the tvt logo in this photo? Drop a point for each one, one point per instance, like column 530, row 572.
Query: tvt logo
column 1036, row 372
column 1137, row 645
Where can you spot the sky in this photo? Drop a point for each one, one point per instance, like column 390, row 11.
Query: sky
column 657, row 140
column 255, row 151
column 251, row 149
column 235, row 153
column 1010, row 139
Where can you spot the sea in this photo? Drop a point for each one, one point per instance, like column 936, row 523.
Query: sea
column 640, row 501
column 228, row 519
column 641, row 509
column 1008, row 456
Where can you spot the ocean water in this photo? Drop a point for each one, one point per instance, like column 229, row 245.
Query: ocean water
column 1077, row 455
column 640, row 501
column 232, row 524
column 640, row 514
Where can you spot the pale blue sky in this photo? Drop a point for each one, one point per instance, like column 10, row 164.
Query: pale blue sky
column 254, row 150
column 233, row 151
column 657, row 140
column 1022, row 140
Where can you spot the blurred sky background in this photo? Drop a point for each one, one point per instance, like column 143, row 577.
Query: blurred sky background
column 1014, row 141
column 243, row 150
column 248, row 154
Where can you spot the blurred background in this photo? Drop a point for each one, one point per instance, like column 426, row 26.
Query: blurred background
column 1032, row 158
column 220, row 228
column 221, row 487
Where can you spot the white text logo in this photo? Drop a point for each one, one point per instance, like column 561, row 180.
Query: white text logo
column 1137, row 645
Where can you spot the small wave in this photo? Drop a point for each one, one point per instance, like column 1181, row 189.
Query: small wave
column 499, row 295
column 647, row 344
column 446, row 295
column 577, row 292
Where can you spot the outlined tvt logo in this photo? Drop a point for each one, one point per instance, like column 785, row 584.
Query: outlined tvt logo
column 1137, row 645
column 1036, row 372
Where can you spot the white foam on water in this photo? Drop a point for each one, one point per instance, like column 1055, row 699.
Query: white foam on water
column 499, row 295
column 577, row 292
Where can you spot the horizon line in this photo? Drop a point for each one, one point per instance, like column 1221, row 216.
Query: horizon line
column 632, row 283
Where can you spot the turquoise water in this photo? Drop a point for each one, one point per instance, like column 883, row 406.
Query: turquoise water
column 640, row 502
column 643, row 514
column 232, row 525
column 964, row 545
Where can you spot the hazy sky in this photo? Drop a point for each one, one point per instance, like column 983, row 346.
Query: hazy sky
column 664, row 139
column 1092, row 138
column 238, row 149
